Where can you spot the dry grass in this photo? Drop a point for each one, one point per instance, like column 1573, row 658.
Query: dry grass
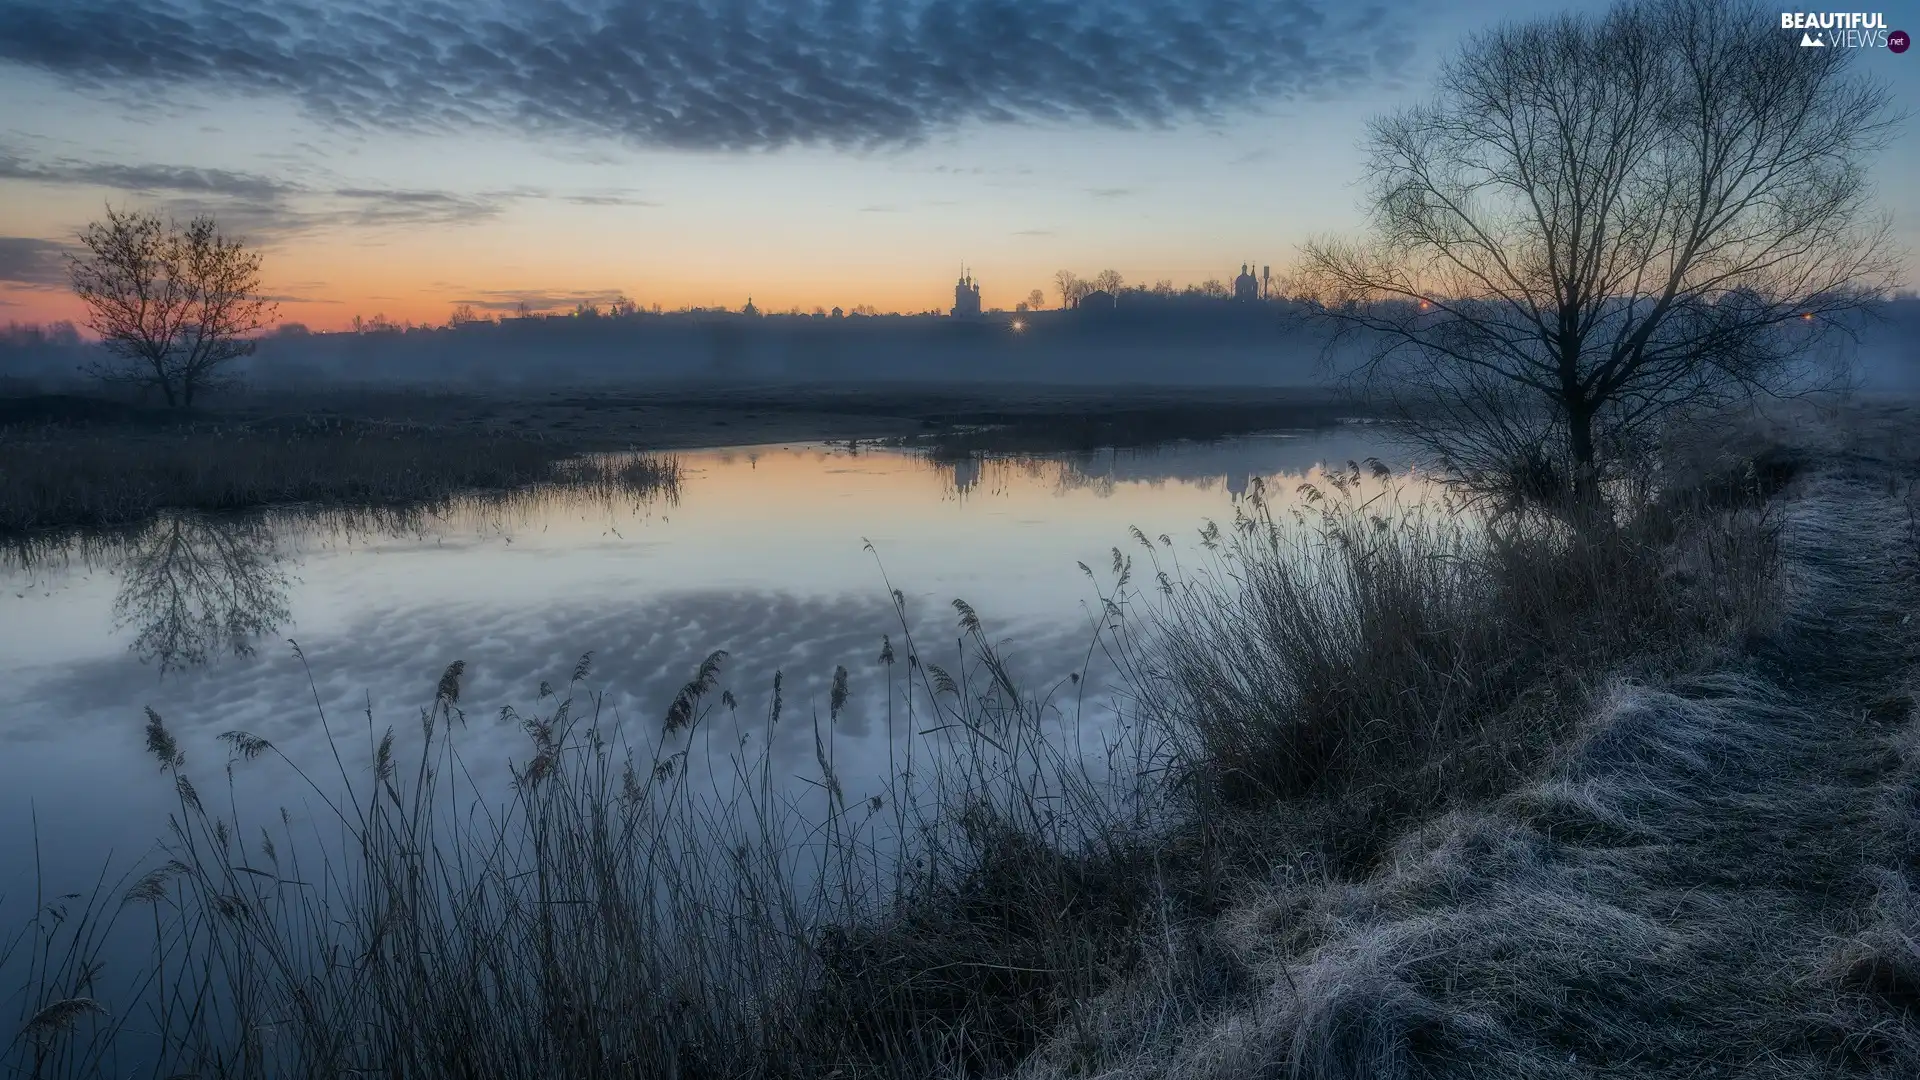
column 1708, row 875
column 54, row 478
column 1385, row 660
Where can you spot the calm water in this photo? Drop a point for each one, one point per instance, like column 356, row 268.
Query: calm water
column 764, row 553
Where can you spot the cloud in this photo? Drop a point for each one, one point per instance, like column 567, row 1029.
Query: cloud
column 265, row 207
column 544, row 300
column 1110, row 192
column 718, row 74
column 35, row 264
column 145, row 179
column 1035, row 232
column 607, row 199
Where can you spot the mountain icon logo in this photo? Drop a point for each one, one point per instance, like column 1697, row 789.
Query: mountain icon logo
column 1809, row 41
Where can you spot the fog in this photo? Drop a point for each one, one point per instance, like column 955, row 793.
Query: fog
column 1200, row 343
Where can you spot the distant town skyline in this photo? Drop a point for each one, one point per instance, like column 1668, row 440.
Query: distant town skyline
column 393, row 162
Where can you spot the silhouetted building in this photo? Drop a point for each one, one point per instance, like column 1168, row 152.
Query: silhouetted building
column 966, row 297
column 838, row 314
column 1246, row 287
column 749, row 309
column 1097, row 300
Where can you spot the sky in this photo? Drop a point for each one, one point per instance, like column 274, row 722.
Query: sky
column 404, row 156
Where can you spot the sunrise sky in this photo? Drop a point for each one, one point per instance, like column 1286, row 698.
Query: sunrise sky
column 401, row 158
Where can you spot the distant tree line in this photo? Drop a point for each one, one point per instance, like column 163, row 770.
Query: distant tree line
column 59, row 334
column 1072, row 288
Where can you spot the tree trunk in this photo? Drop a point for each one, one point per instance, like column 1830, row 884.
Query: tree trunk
column 1586, row 487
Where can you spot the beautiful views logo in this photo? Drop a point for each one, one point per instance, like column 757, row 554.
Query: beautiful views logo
column 1844, row 30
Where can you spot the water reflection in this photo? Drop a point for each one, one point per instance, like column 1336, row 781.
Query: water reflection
column 1003, row 532
column 193, row 587
column 1232, row 465
column 764, row 554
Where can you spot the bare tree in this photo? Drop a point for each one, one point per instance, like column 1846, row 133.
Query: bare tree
column 462, row 315
column 173, row 305
column 1109, row 281
column 1602, row 223
column 1036, row 300
column 1069, row 286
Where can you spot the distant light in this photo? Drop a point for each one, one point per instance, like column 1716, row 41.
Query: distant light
column 1019, row 325
column 1808, row 316
column 1423, row 305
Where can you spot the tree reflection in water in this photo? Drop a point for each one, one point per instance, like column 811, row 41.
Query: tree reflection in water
column 193, row 587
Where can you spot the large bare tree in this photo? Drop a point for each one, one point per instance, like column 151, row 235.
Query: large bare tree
column 174, row 305
column 1602, row 222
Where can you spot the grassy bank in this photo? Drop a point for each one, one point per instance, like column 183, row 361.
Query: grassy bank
column 1405, row 794
column 59, row 476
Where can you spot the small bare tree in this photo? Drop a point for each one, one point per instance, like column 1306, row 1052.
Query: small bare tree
column 173, row 305
column 1036, row 300
column 1109, row 281
column 1603, row 223
column 194, row 586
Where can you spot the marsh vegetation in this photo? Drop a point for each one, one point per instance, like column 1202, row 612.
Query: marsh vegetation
column 55, row 476
column 1339, row 691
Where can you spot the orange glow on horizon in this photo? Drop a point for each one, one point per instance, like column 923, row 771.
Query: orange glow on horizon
column 325, row 313
column 335, row 310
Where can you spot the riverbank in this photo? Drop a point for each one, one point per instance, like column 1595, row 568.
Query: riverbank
column 1402, row 796
column 1711, row 872
column 70, row 461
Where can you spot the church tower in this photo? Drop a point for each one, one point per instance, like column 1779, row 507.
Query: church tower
column 966, row 297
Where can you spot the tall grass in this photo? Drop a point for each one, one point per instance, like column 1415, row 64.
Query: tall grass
column 1385, row 656
column 647, row 899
